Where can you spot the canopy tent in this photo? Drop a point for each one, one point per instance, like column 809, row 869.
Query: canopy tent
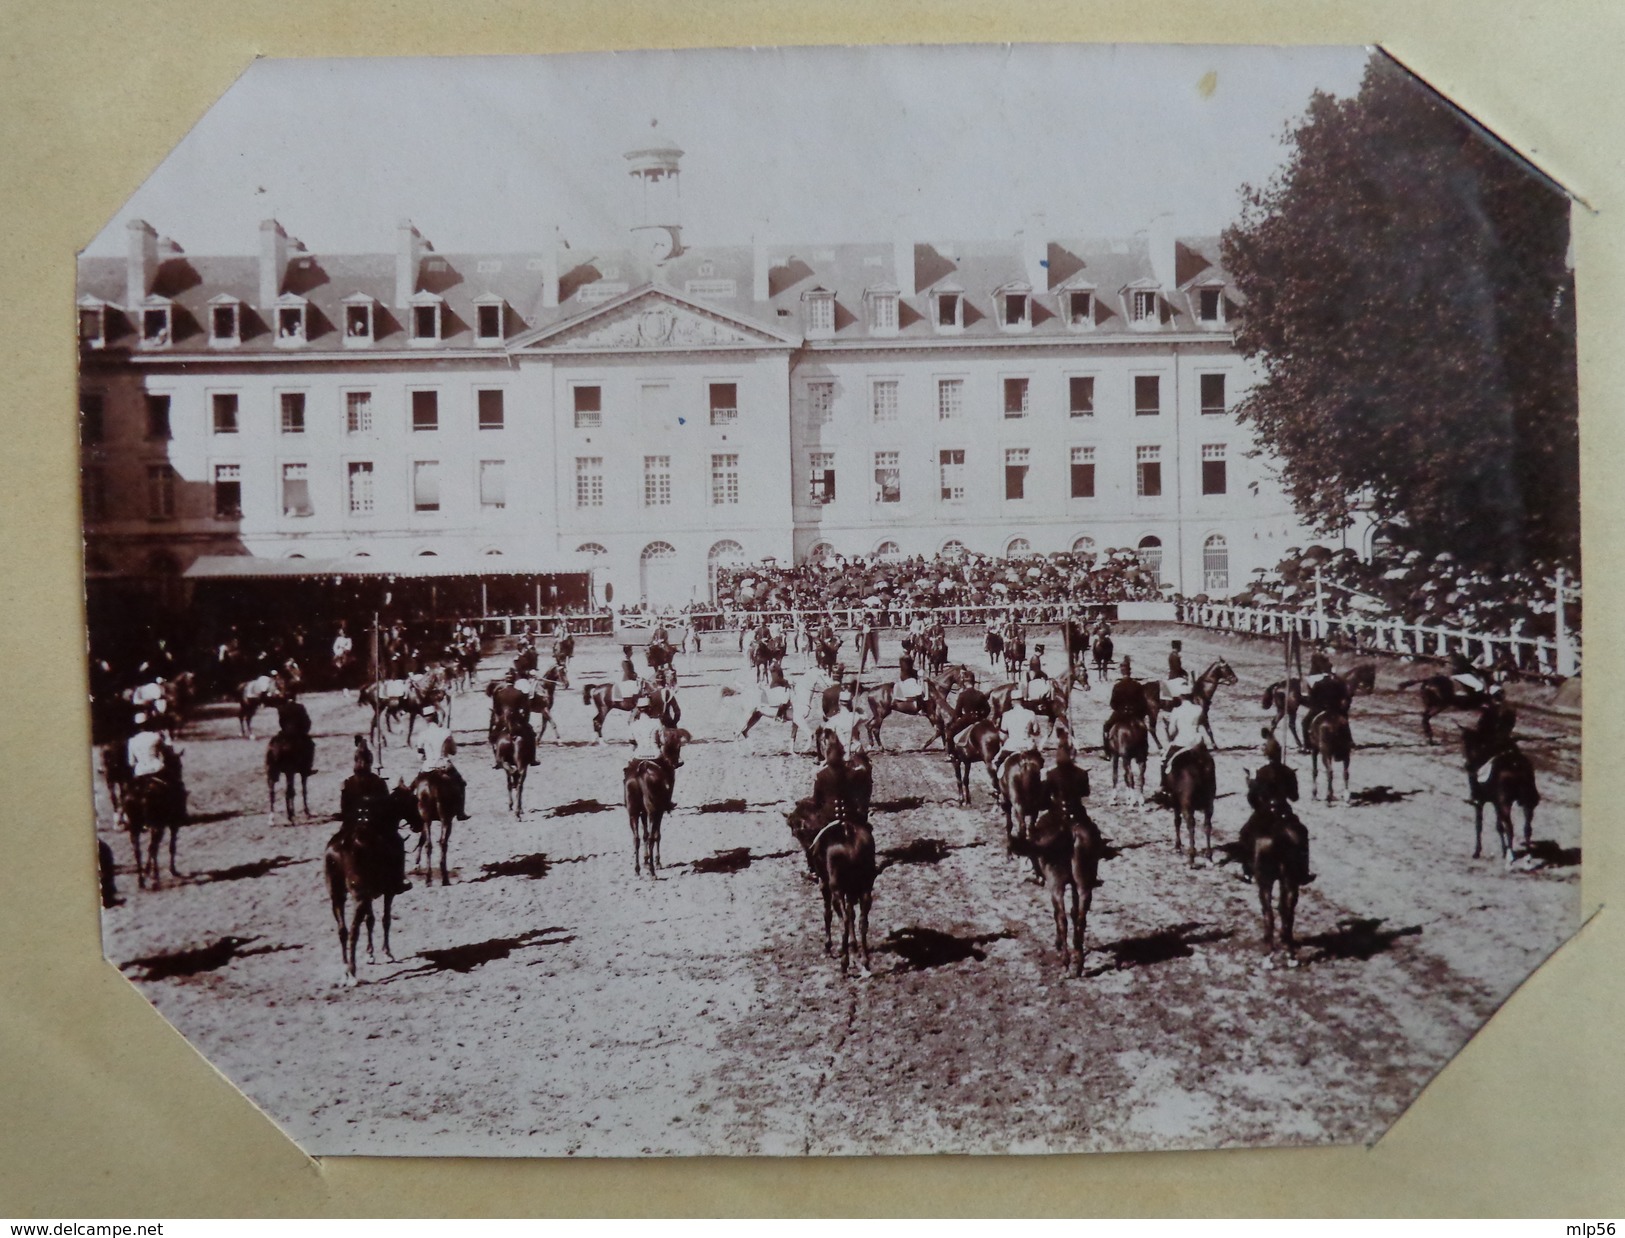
column 252, row 567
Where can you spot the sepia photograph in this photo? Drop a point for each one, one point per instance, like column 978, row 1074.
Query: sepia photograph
column 833, row 601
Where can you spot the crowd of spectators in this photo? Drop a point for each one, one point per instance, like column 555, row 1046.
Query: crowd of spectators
column 916, row 583
column 1436, row 592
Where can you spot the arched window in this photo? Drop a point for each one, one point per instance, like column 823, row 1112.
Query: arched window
column 428, row 554
column 491, row 551
column 362, row 554
column 819, row 553
column 1083, row 546
column 723, row 554
column 1216, row 565
column 1017, row 547
column 1150, row 549
column 888, row 550
column 657, row 574
column 953, row 550
column 296, row 555
column 591, row 548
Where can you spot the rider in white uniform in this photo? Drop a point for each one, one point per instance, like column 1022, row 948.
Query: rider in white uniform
column 436, row 746
column 1183, row 728
column 843, row 723
column 1019, row 730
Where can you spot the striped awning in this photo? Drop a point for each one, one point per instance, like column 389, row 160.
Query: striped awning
column 252, row 567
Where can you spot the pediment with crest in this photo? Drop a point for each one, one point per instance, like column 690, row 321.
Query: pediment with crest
column 652, row 319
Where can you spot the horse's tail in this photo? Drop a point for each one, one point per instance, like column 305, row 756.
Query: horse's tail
column 1269, row 697
column 586, row 694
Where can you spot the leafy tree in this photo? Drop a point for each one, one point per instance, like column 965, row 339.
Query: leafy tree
column 1409, row 297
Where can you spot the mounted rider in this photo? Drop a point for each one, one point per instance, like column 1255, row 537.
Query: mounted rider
column 1127, row 701
column 1019, row 731
column 1468, row 674
column 775, row 699
column 1037, row 682
column 1269, row 793
column 364, row 813
column 436, row 746
column 1177, row 682
column 1328, row 694
column 629, row 686
column 843, row 723
column 909, row 689
column 644, row 729
column 157, row 761
column 510, row 714
column 1320, row 665
column 1183, row 729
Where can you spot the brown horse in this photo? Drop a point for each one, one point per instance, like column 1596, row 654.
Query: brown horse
column 601, row 697
column 1286, row 696
column 1127, row 746
column 290, row 752
column 366, row 863
column 155, row 803
column 1329, row 742
column 1066, row 848
column 648, row 785
column 1275, row 851
column 1502, row 778
column 1021, row 796
column 1056, row 704
column 435, row 803
column 1441, row 693
column 515, row 753
column 980, row 742
column 841, row 854
column 1192, row 785
column 1203, row 689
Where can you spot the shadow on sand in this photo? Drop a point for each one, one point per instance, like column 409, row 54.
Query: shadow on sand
column 1356, row 938
column 183, row 964
column 923, row 948
column 1163, row 946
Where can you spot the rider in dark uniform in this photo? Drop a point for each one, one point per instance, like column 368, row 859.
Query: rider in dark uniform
column 1328, row 695
column 1269, row 793
column 629, row 673
column 905, row 666
column 1127, row 700
column 363, row 813
column 1176, row 663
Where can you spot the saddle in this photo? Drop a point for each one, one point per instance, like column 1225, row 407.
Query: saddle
column 908, row 690
column 627, row 690
column 392, row 690
column 1038, row 689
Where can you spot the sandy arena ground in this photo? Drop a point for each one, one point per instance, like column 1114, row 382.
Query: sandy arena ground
column 549, row 1003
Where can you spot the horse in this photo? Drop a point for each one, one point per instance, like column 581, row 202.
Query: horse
column 365, row 864
column 1502, row 779
column 1192, row 782
column 155, row 803
column 935, row 651
column 1275, row 850
column 980, row 742
column 1101, row 650
column 1329, row 741
column 1127, row 745
column 1066, row 849
column 648, row 786
column 515, row 750
column 1203, row 689
column 601, row 697
column 1015, row 651
column 993, row 646
column 290, row 751
column 841, row 854
column 1441, row 693
column 1056, row 704
column 255, row 693
column 826, row 653
column 765, row 655
column 860, row 777
column 1021, row 796
column 433, row 805
column 660, row 655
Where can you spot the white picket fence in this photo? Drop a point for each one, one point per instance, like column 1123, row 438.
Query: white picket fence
column 1558, row 658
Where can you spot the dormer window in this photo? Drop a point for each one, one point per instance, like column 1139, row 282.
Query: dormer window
column 225, row 322
column 92, row 323
column 1079, row 305
column 359, row 323
column 820, row 304
column 489, row 324
column 1210, row 305
column 157, row 323
column 948, row 309
column 425, row 309
column 1015, row 307
column 882, row 310
column 1143, row 307
column 291, row 320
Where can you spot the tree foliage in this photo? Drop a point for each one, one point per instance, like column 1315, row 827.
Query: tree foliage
column 1408, row 295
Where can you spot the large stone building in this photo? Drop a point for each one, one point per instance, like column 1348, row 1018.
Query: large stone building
column 650, row 411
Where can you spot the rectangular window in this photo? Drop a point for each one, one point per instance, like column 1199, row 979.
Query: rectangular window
column 1083, row 472
column 426, row 485
column 821, row 314
column 157, row 416
column 296, row 489
column 358, row 412
column 951, row 467
column 155, row 326
column 493, row 412
column 1147, row 395
column 1080, row 395
column 822, row 473
column 1016, row 462
column 724, row 480
column 1210, row 304
column 360, row 488
column 92, row 418
column 223, row 322
column 160, row 491
column 493, row 485
column 589, row 481
column 589, row 407
column 228, row 491
column 488, row 321
column 657, row 481
column 948, row 309
column 225, row 412
column 884, row 312
column 1015, row 397
column 1148, row 472
column 888, row 478
column 91, row 328
column 290, row 323
column 1213, row 468
column 950, row 398
column 883, row 398
column 93, row 492
column 425, row 411
column 358, row 322
column 820, row 403
column 1081, row 309
column 1144, row 306
column 293, row 412
column 724, row 399
column 1015, row 309
column 1213, row 402
column 425, row 322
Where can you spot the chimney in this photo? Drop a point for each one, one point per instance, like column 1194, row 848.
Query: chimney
column 550, row 268
column 1035, row 253
column 273, row 262
column 1160, row 241
column 759, row 266
column 142, row 265
column 903, row 257
column 408, row 253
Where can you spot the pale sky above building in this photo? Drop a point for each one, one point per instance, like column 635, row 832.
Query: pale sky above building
column 809, row 145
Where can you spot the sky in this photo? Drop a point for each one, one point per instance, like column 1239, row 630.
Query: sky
column 812, row 145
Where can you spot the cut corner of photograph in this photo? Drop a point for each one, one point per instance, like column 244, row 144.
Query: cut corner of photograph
column 1117, row 573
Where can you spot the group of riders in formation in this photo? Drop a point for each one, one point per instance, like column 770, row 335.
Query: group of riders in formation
column 368, row 854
